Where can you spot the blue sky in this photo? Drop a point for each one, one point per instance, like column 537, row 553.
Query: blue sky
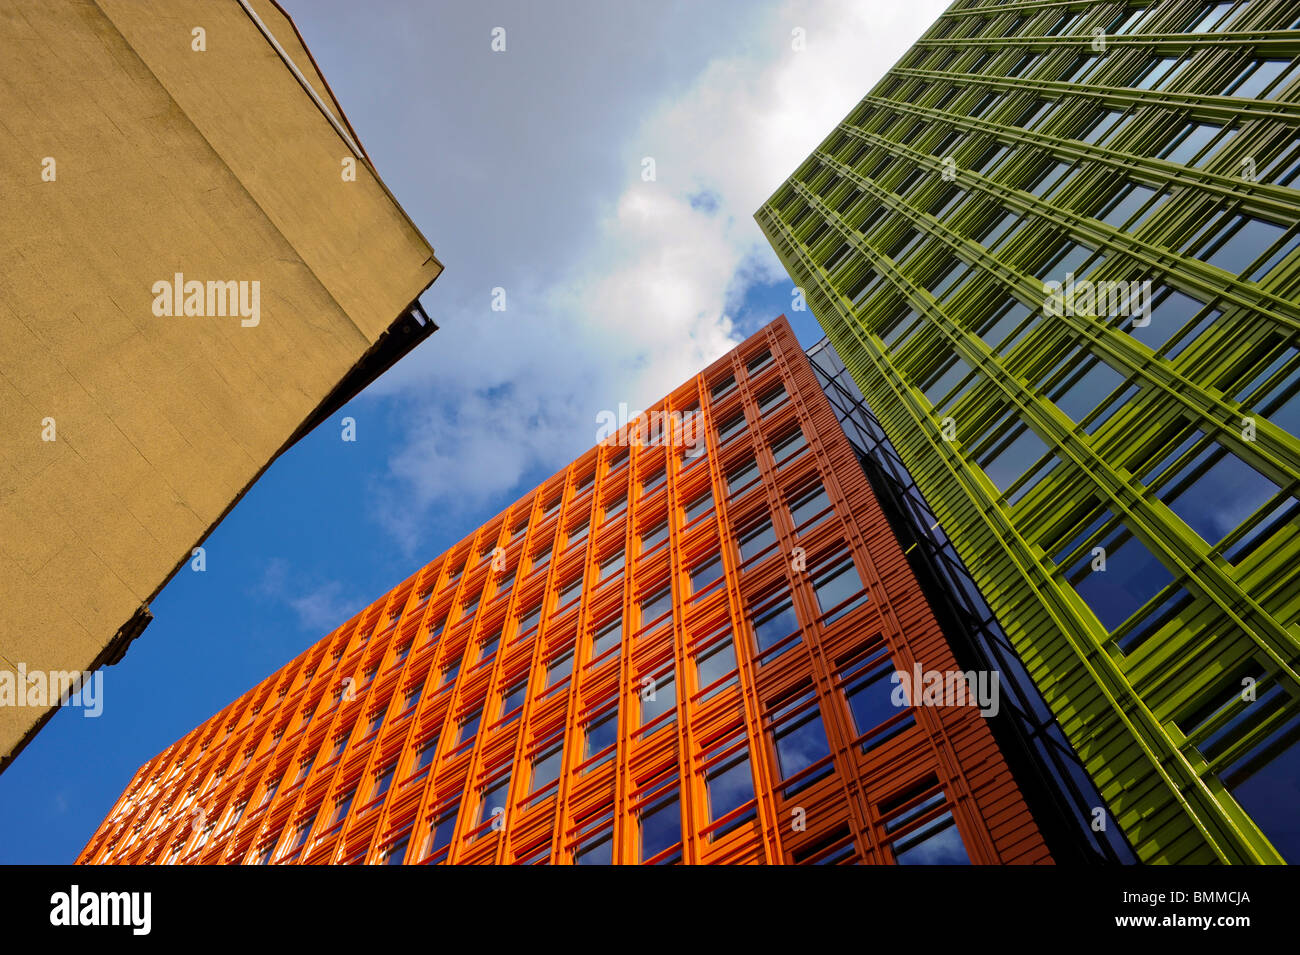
column 523, row 168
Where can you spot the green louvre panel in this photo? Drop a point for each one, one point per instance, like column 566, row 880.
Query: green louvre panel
column 1056, row 248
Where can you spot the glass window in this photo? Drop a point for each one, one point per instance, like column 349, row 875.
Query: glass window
column 942, row 283
column 1170, row 313
column 774, row 623
column 945, row 380
column 1032, row 113
column 1126, row 21
column 1122, row 209
column 424, row 755
column 742, row 476
column 788, row 445
column 300, row 835
column 442, row 829
column 1012, row 456
column 613, row 564
column 469, row 726
column 570, row 592
column 607, row 637
column 1064, row 22
column 559, row 669
column 936, row 843
column 773, row 398
column 1158, row 73
column 653, row 537
column 1082, row 393
column 994, row 231
column 1257, row 77
column 661, row 827
column 1207, row 18
column 729, row 787
column 808, row 505
column 542, row 557
column 757, row 539
column 1131, row 576
column 396, row 853
column 1284, row 168
column 652, row 480
column 1048, row 179
column 656, row 605
column 658, row 696
column 1217, row 493
column 546, row 766
column 513, row 697
column 982, row 104
column 1239, row 242
column 1011, row 317
column 1103, row 122
column 530, row 620
column 955, row 196
column 340, row 743
column 495, row 796
column 907, row 326
column 700, row 505
column 1190, row 141
column 384, row 779
column 731, row 427
column 342, row 805
column 713, row 663
column 1266, row 782
column 800, row 738
column 869, row 687
column 706, row 572
column 601, row 734
column 1081, row 68
column 599, row 851
column 836, row 588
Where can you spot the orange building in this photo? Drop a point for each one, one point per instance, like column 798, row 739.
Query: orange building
column 681, row 648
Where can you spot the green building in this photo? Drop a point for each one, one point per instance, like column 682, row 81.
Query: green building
column 1056, row 247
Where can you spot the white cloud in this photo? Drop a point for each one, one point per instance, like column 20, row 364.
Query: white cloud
column 319, row 609
column 649, row 301
column 323, row 608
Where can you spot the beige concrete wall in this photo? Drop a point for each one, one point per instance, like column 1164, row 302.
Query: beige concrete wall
column 215, row 164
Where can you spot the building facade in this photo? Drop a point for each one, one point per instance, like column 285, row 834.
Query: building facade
column 201, row 263
column 1056, row 249
column 679, row 649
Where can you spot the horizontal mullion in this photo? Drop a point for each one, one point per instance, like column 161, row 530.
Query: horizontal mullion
column 1226, row 108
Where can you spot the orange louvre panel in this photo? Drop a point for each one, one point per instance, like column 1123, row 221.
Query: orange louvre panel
column 680, row 649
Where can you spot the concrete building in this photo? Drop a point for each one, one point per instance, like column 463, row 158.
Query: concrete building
column 200, row 263
column 685, row 647
column 1057, row 249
